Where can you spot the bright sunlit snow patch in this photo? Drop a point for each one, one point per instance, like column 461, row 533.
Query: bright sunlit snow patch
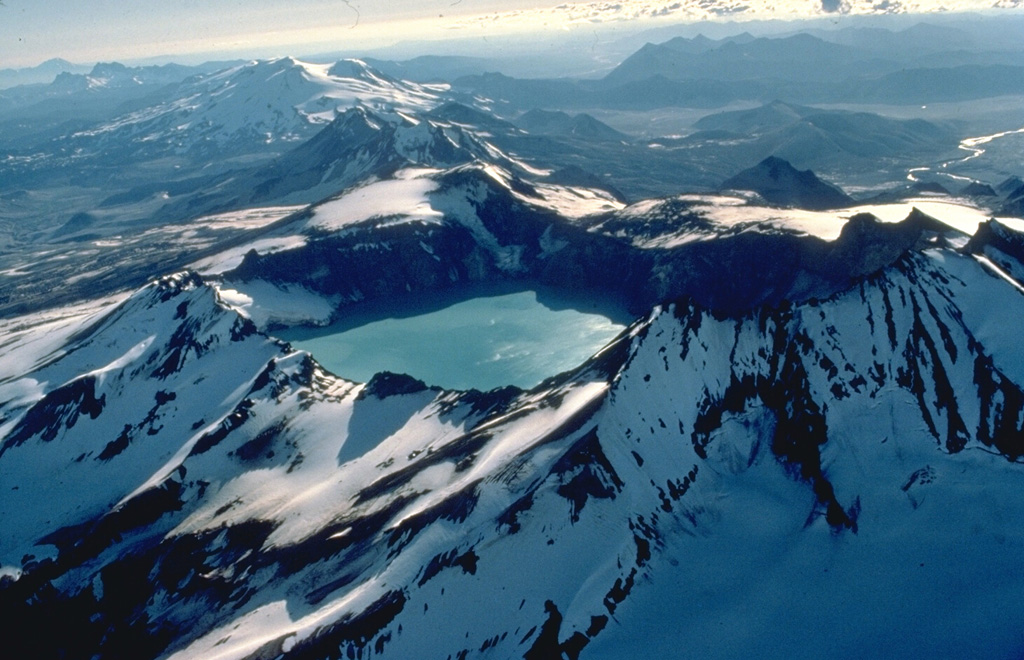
column 1016, row 224
column 28, row 341
column 288, row 304
column 716, row 214
column 574, row 202
column 244, row 635
column 958, row 215
column 246, row 218
column 405, row 196
column 999, row 272
column 133, row 354
column 351, row 82
column 12, row 572
column 230, row 259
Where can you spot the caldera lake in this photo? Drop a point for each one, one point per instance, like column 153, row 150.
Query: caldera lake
column 476, row 338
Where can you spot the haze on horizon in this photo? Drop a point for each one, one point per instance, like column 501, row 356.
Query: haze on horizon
column 32, row 31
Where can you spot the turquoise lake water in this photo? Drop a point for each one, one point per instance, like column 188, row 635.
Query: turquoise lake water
column 498, row 337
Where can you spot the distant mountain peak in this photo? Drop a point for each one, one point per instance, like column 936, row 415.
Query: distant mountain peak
column 776, row 165
column 559, row 123
column 1009, row 185
column 779, row 183
column 105, row 68
column 57, row 63
column 357, row 70
column 978, row 189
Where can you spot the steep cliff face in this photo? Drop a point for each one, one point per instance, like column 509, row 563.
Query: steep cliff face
column 998, row 243
column 816, row 471
column 443, row 229
column 482, row 223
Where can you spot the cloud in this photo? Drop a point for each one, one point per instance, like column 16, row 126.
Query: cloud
column 570, row 14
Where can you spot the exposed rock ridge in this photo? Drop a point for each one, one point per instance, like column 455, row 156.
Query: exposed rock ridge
column 289, row 492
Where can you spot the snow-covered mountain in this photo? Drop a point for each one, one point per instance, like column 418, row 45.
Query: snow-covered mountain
column 262, row 102
column 814, row 472
column 37, row 119
column 357, row 146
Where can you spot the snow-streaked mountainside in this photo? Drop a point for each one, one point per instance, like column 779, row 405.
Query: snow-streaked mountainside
column 808, row 443
column 260, row 102
column 357, row 146
column 802, row 456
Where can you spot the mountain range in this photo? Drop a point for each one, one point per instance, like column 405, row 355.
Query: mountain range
column 921, row 64
column 806, row 442
column 309, row 516
column 41, row 74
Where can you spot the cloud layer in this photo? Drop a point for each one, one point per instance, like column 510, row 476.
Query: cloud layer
column 576, row 13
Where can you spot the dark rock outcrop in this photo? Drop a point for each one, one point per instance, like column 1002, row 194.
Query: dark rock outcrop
column 561, row 124
column 978, row 189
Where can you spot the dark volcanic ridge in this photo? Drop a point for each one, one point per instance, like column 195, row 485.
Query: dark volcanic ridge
column 781, row 184
column 385, row 511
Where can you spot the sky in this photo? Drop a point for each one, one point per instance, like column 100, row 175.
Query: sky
column 83, row 31
column 32, row 31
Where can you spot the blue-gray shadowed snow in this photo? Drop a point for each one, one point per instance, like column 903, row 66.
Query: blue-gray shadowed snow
column 809, row 442
column 234, row 498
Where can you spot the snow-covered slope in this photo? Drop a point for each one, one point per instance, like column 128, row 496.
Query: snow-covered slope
column 261, row 102
column 814, row 478
column 482, row 222
column 357, row 146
